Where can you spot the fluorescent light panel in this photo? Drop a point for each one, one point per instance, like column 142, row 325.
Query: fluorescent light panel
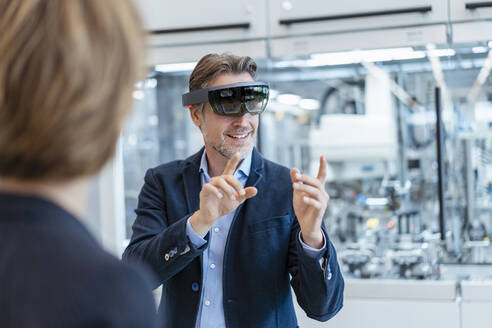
column 479, row 50
column 175, row 67
column 309, row 104
column 359, row 56
column 288, row 99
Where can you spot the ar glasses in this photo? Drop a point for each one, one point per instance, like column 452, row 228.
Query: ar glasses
column 232, row 99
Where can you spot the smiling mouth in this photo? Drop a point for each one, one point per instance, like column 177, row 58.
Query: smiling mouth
column 239, row 136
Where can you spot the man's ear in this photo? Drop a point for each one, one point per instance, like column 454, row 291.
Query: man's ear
column 196, row 115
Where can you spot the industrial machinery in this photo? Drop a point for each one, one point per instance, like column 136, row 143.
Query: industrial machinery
column 409, row 169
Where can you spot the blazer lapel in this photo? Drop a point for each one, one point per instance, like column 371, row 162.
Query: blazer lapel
column 192, row 182
column 256, row 172
column 254, row 179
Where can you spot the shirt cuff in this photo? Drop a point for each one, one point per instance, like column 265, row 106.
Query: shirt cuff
column 310, row 251
column 196, row 239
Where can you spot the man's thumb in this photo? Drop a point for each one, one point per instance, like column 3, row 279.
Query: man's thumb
column 250, row 192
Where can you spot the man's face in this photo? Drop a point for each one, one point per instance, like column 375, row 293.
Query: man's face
column 227, row 135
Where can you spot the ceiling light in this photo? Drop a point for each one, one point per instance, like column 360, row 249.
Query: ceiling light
column 176, row 67
column 441, row 52
column 309, row 104
column 358, row 56
column 138, row 94
column 288, row 99
column 479, row 50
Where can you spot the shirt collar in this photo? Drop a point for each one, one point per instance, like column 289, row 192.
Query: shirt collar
column 244, row 168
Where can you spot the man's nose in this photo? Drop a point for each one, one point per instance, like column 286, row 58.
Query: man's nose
column 242, row 120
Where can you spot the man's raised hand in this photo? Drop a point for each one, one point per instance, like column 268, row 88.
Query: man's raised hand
column 310, row 202
column 222, row 195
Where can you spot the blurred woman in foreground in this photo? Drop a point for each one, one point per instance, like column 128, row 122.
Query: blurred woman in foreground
column 67, row 70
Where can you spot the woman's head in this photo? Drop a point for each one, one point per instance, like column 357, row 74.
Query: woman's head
column 67, row 70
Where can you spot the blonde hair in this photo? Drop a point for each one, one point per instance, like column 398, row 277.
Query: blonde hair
column 67, row 71
column 212, row 65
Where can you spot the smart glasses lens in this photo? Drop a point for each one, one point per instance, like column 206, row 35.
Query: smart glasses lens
column 256, row 99
column 236, row 101
column 226, row 101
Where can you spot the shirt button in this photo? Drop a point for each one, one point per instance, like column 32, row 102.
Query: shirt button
column 207, row 303
column 329, row 276
column 216, row 229
column 212, row 266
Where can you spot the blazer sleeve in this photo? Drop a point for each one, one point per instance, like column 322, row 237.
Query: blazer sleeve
column 319, row 289
column 164, row 247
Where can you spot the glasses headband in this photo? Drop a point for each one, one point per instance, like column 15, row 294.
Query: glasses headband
column 200, row 96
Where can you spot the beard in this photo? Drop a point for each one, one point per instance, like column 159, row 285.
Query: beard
column 226, row 149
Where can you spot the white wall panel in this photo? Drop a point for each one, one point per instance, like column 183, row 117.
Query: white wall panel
column 476, row 314
column 364, row 313
column 190, row 53
column 191, row 21
column 329, row 16
column 472, row 31
column 466, row 10
column 393, row 303
column 387, row 38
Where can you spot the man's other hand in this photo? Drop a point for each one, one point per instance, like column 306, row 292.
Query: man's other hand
column 310, row 202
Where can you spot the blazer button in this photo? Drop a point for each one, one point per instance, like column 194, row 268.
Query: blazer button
column 166, row 257
column 195, row 286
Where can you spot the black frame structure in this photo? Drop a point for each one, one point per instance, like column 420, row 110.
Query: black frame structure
column 440, row 165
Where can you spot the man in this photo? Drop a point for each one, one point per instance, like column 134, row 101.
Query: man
column 67, row 71
column 224, row 228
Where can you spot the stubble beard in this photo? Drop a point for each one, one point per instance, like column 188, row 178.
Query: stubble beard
column 227, row 150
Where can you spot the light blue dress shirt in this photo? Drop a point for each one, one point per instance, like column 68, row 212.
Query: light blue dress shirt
column 211, row 311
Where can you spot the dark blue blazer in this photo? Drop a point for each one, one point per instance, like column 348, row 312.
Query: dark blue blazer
column 53, row 274
column 261, row 250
